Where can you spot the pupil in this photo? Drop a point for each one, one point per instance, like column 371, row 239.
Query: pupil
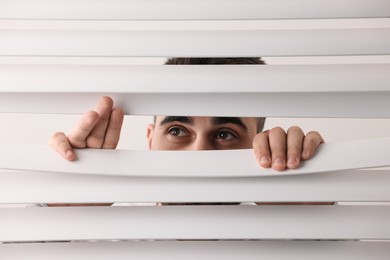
column 222, row 135
column 175, row 131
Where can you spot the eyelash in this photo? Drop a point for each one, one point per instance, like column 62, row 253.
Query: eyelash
column 230, row 132
column 176, row 128
column 233, row 134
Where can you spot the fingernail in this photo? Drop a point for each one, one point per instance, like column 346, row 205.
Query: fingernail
column 305, row 154
column 278, row 162
column 264, row 160
column 292, row 160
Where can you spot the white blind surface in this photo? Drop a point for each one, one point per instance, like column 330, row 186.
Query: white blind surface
column 284, row 104
column 189, row 9
column 279, row 90
column 154, row 79
column 50, row 187
column 272, row 90
column 44, row 29
column 229, row 250
column 195, row 222
column 234, row 43
column 233, row 163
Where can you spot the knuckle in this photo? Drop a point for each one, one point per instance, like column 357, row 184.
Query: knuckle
column 313, row 133
column 277, row 129
column 314, row 138
column 110, row 144
column 75, row 138
column 96, row 136
column 76, row 141
column 260, row 138
column 309, row 142
column 56, row 138
column 93, row 143
column 294, row 129
column 261, row 151
column 294, row 149
column 57, row 135
column 277, row 151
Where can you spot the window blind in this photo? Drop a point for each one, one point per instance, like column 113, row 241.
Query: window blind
column 34, row 174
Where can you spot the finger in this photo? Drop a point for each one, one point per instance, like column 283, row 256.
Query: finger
column 261, row 149
column 277, row 144
column 310, row 144
column 78, row 137
column 97, row 135
column 61, row 145
column 295, row 137
column 114, row 129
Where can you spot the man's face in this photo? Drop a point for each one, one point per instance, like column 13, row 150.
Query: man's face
column 201, row 133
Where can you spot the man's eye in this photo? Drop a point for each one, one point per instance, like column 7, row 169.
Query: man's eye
column 225, row 135
column 177, row 131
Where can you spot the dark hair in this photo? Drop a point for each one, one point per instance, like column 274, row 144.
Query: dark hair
column 214, row 61
column 221, row 61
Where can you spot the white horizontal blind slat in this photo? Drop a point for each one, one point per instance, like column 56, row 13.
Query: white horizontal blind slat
column 279, row 90
column 249, row 43
column 232, row 163
column 195, row 222
column 349, row 186
column 224, row 25
column 18, row 78
column 228, row 250
column 285, row 104
column 189, row 9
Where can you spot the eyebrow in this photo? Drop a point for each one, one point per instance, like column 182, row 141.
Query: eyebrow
column 215, row 121
column 181, row 119
column 230, row 120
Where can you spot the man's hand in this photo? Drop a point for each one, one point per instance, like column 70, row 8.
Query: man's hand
column 280, row 150
column 97, row 129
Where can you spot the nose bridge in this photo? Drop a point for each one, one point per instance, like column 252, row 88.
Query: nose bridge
column 202, row 142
